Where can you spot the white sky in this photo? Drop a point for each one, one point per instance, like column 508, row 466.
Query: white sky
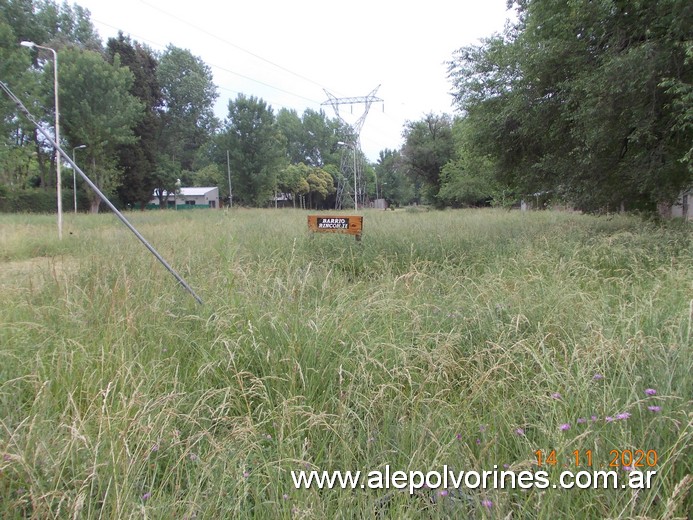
column 287, row 52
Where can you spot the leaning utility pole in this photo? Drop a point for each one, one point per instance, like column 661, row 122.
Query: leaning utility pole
column 352, row 165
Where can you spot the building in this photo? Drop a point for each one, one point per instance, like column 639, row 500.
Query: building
column 683, row 207
column 189, row 198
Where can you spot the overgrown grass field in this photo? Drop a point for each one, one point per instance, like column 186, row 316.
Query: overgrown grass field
column 466, row 339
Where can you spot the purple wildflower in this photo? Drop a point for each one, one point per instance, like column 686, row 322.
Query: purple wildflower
column 146, row 496
column 608, row 418
column 482, row 428
column 285, row 496
column 627, row 468
column 520, row 431
column 581, row 420
column 622, row 416
column 565, row 427
column 556, row 396
column 487, row 503
column 458, row 436
column 443, row 493
column 598, row 377
column 478, row 442
column 654, row 408
column 155, row 448
column 650, row 391
column 246, row 474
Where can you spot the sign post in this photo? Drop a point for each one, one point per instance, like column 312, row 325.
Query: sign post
column 351, row 225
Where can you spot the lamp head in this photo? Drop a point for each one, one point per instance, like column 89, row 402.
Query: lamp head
column 29, row 44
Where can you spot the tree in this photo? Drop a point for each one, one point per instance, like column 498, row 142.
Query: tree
column 15, row 155
column 681, row 91
column 292, row 181
column 188, row 100
column 51, row 25
column 320, row 186
column 64, row 25
column 256, row 148
column 428, row 147
column 210, row 175
column 311, row 138
column 577, row 99
column 98, row 111
column 395, row 186
column 467, row 180
column 138, row 160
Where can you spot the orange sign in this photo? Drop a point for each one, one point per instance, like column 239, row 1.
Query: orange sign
column 352, row 225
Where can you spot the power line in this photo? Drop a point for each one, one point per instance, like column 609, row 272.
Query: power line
column 231, row 44
column 219, row 67
column 240, row 75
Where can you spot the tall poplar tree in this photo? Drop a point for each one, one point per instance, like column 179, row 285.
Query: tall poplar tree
column 256, row 149
column 137, row 160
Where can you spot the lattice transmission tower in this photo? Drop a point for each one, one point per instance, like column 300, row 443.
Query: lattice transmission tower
column 351, row 187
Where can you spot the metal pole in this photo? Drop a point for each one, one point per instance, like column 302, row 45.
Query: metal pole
column 228, row 170
column 93, row 186
column 57, row 140
column 74, row 183
column 74, row 175
column 57, row 132
column 356, row 193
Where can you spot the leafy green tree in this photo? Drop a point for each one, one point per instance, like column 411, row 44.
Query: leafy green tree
column 49, row 24
column 65, row 24
column 292, row 181
column 468, row 179
column 210, row 175
column 578, row 99
column 137, row 160
column 16, row 132
column 428, row 146
column 256, row 147
column 98, row 111
column 681, row 91
column 320, row 186
column 291, row 127
column 395, row 186
column 311, row 138
column 187, row 116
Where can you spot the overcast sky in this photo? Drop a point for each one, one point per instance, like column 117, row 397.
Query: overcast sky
column 289, row 52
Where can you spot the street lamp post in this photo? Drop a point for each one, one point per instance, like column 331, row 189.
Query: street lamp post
column 74, row 177
column 57, row 131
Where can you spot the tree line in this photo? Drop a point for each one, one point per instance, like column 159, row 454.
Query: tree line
column 587, row 102
column 137, row 121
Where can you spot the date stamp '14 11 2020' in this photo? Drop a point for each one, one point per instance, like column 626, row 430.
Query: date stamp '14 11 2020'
column 629, row 459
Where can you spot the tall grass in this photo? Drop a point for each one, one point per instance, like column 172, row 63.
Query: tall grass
column 459, row 338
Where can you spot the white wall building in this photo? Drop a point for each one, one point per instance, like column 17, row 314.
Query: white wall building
column 189, row 198
column 683, row 207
